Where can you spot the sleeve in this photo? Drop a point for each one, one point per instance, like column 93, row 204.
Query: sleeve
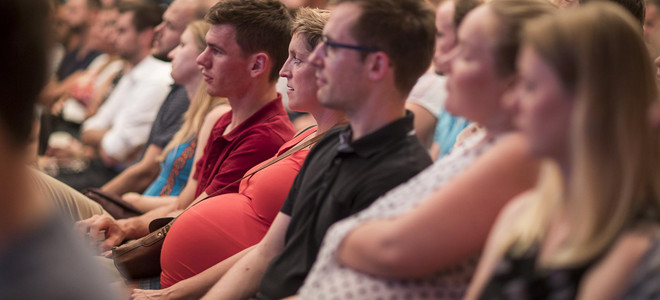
column 135, row 121
column 258, row 145
column 274, row 185
column 430, row 93
column 287, row 206
column 103, row 119
column 380, row 183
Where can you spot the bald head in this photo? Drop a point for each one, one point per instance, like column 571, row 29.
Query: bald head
column 175, row 19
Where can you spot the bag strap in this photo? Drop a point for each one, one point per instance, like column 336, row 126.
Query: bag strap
column 286, row 154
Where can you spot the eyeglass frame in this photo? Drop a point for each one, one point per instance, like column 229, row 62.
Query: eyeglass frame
column 328, row 43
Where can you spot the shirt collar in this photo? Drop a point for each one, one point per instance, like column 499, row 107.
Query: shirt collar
column 266, row 112
column 145, row 67
column 378, row 140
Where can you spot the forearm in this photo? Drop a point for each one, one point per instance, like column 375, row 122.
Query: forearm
column 242, row 280
column 370, row 249
column 195, row 287
column 134, row 179
column 138, row 227
column 92, row 137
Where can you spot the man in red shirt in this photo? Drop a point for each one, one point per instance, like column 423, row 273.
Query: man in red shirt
column 246, row 46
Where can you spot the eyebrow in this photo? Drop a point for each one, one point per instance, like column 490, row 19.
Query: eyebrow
column 217, row 47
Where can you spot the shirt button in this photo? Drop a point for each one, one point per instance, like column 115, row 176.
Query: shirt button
column 337, row 161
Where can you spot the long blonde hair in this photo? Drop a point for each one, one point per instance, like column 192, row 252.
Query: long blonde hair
column 200, row 104
column 599, row 55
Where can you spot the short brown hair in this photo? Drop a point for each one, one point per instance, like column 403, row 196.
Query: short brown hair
column 146, row 14
column 310, row 22
column 403, row 29
column 261, row 25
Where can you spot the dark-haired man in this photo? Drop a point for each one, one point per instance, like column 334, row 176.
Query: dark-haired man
column 247, row 45
column 365, row 70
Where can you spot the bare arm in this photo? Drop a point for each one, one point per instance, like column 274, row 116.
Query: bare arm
column 449, row 227
column 93, row 137
column 425, row 123
column 137, row 177
column 196, row 286
column 242, row 280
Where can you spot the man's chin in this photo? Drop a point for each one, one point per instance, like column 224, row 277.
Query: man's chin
column 162, row 55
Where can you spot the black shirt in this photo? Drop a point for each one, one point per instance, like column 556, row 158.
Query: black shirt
column 169, row 118
column 338, row 179
column 70, row 63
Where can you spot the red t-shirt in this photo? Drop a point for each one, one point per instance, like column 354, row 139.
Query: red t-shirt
column 227, row 157
column 222, row 226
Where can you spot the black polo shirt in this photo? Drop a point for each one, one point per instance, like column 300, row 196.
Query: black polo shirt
column 338, row 179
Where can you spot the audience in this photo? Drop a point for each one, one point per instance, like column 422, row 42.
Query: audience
column 432, row 228
column 589, row 221
column 543, row 122
column 122, row 123
column 246, row 46
column 364, row 70
column 167, row 36
column 240, row 220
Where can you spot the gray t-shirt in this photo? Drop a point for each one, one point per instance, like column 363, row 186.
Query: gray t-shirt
column 50, row 263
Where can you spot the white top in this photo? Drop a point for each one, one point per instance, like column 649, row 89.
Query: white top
column 131, row 108
column 328, row 279
column 430, row 92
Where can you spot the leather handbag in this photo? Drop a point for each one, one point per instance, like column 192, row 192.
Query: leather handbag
column 140, row 258
column 113, row 204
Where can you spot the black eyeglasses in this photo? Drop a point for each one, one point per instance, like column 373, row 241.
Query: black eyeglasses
column 327, row 43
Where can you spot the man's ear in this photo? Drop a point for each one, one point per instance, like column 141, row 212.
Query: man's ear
column 378, row 65
column 146, row 37
column 259, row 64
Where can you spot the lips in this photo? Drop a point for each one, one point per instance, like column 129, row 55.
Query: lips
column 207, row 78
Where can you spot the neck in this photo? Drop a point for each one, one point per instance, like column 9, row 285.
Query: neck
column 191, row 85
column 389, row 105
column 327, row 118
column 140, row 56
column 245, row 105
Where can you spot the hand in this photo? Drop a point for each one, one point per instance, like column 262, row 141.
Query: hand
column 151, row 294
column 434, row 152
column 103, row 229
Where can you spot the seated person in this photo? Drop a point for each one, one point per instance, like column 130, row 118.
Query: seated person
column 433, row 227
column 241, row 66
column 585, row 227
column 187, row 145
column 222, row 226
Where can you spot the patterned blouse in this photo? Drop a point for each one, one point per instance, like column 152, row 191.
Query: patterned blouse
column 328, row 279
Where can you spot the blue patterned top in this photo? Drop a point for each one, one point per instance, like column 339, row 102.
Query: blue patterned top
column 174, row 171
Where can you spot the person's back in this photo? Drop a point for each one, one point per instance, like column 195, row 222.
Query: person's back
column 39, row 257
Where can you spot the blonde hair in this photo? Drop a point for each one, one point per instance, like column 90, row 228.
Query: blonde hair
column 200, row 104
column 614, row 152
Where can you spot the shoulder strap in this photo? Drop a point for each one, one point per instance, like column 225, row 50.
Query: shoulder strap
column 286, row 154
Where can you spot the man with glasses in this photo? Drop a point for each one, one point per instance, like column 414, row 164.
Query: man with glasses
column 372, row 53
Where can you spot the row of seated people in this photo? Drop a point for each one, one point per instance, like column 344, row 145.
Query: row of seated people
column 433, row 226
